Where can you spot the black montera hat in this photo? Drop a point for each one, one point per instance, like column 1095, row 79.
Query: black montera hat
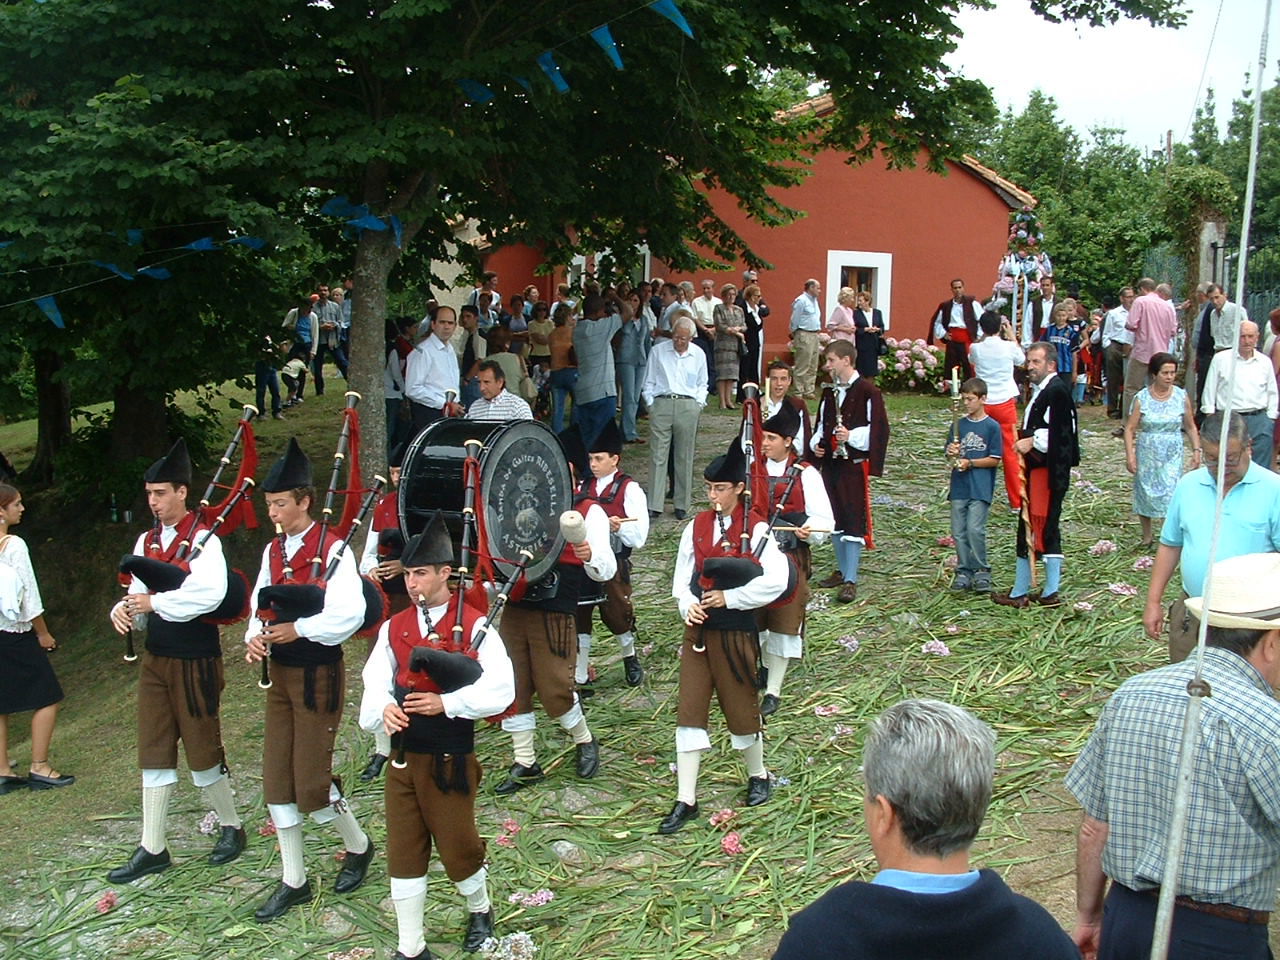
column 174, row 467
column 729, row 468
column 608, row 440
column 432, row 546
column 291, row 471
column 785, row 423
column 575, row 450
column 396, row 457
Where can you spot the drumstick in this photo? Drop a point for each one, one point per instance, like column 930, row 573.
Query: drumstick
column 627, row 519
column 811, row 529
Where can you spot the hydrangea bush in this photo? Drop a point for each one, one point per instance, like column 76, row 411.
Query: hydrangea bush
column 911, row 366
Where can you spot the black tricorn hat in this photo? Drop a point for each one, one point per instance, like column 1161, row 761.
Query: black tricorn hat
column 785, row 423
column 174, row 467
column 608, row 440
column 729, row 468
column 432, row 546
column 291, row 471
column 396, row 457
column 575, row 450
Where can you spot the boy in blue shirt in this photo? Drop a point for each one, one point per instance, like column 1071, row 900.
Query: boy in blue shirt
column 975, row 449
column 1065, row 338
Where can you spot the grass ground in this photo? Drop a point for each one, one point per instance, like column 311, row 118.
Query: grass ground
column 620, row 891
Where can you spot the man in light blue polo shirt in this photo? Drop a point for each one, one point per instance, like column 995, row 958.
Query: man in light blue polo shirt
column 1250, row 524
column 595, row 397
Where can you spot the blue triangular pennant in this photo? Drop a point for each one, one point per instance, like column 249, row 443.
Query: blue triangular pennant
column 155, row 273
column 396, row 228
column 49, row 307
column 253, row 243
column 342, row 207
column 367, row 222
column 524, row 82
column 114, row 269
column 669, row 10
column 602, row 36
column 548, row 64
column 204, row 243
column 475, row 91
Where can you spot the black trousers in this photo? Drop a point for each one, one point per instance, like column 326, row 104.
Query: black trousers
column 423, row 416
column 1128, row 922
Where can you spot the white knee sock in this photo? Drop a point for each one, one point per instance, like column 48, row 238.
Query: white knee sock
column 580, row 673
column 294, row 870
column 753, row 757
column 522, row 747
column 409, row 910
column 628, row 643
column 219, row 796
column 354, row 839
column 777, row 667
column 476, row 891
column 575, row 723
column 687, row 763
column 155, row 810
column 382, row 745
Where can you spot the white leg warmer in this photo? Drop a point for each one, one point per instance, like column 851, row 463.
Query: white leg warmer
column 522, row 748
column 575, row 723
column 382, row 746
column 753, row 757
column 219, row 796
column 476, row 891
column 155, row 810
column 284, row 815
column 687, row 763
column 409, row 897
column 584, row 658
column 628, row 643
column 294, row 870
column 777, row 667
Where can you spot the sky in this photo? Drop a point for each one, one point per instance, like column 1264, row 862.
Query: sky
column 1131, row 75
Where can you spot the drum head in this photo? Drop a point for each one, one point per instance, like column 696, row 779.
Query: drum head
column 524, row 480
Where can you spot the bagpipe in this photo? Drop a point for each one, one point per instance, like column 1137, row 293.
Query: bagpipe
column 304, row 597
column 236, row 508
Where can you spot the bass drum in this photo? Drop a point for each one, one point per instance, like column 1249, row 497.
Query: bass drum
column 524, row 487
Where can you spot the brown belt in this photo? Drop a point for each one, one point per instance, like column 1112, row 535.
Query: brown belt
column 1226, row 911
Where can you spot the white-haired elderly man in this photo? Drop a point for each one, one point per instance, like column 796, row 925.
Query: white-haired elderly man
column 675, row 391
column 1126, row 775
column 928, row 768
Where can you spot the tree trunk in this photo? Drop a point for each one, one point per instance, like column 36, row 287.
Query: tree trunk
column 53, row 416
column 139, row 425
column 376, row 255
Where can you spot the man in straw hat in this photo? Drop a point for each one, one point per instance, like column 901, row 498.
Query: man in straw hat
column 1126, row 776
column 180, row 687
column 304, row 702
column 431, row 793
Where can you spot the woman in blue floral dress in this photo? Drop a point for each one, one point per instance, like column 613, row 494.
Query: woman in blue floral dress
column 1161, row 413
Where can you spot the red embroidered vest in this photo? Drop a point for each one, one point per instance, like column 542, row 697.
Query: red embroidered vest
column 301, row 563
column 405, row 633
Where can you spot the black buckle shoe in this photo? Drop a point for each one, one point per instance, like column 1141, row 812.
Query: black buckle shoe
column 354, row 867
column 281, row 900
column 759, row 789
column 680, row 814
column 769, row 705
column 140, row 864
column 426, row 954
column 519, row 777
column 633, row 671
column 588, row 763
column 479, row 929
column 229, row 846
column 373, row 770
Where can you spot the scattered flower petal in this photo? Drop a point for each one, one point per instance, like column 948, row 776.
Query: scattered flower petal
column 514, row 946
column 722, row 816
column 850, row 642
column 107, row 901
column 952, row 628
column 1084, row 606
column 647, row 761
column 1102, row 547
column 505, row 840
column 1123, row 589
column 209, row 823
column 946, row 541
column 268, row 829
column 782, row 781
column 1144, row 563
column 510, row 826
column 731, row 843
column 829, row 710
column 538, row 898
column 355, row 953
column 937, row 648
column 842, row 730
column 646, row 649
column 951, row 561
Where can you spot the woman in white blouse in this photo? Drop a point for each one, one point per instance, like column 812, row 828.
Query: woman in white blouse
column 27, row 681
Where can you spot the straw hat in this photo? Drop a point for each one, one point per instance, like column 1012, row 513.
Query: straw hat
column 1246, row 593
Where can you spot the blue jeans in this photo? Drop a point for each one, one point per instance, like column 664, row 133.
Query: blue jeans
column 317, row 365
column 632, row 377
column 969, row 528
column 562, row 383
column 592, row 416
column 264, row 377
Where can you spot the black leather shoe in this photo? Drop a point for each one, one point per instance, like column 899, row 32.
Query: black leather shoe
column 354, row 867
column 759, row 789
column 426, row 954
column 479, row 929
column 281, row 900
column 373, row 770
column 140, row 864
column 229, row 846
column 588, row 764
column 769, row 705
column 680, row 514
column 680, row 814
column 519, row 777
column 654, row 514
column 633, row 671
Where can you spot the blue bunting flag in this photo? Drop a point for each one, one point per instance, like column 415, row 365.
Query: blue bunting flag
column 342, row 207
column 396, row 228
column 367, row 222
column 253, row 243
column 114, row 269
column 475, row 91
column 602, row 36
column 155, row 273
column 548, row 64
column 669, row 10
column 204, row 243
column 49, row 307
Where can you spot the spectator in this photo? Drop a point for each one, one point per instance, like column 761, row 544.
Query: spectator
column 731, row 337
column 975, row 450
column 1153, row 322
column 305, row 329
column 294, row 374
column 840, row 325
column 540, row 327
column 264, row 379
column 806, row 321
column 471, row 346
column 1117, row 341
column 633, row 355
column 512, row 364
column 399, row 414
column 595, row 397
column 928, row 769
column 1250, row 383
column 1250, row 524
column 431, row 373
column 670, row 299
column 995, row 358
column 1161, row 413
column 496, row 402
column 489, row 285
column 754, row 310
column 514, row 320
column 487, row 312
column 329, row 315
column 564, row 367
column 675, row 391
column 1065, row 340
column 869, row 337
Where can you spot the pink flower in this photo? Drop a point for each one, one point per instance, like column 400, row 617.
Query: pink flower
column 538, row 898
column 722, row 816
column 1123, row 589
column 850, row 642
column 900, row 366
column 209, row 823
column 106, row 902
column 842, row 730
column 1102, row 547
column 731, row 843
column 951, row 561
column 340, row 855
column 911, row 383
column 1144, row 563
column 946, row 541
column 826, row 711
column 648, row 761
column 952, row 628
column 1084, row 606
column 510, row 826
column 937, row 648
column 506, row 840
column 268, row 829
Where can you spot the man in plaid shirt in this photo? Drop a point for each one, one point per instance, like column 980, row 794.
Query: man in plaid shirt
column 1126, row 775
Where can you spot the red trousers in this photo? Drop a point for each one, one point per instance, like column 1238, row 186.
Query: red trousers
column 1006, row 414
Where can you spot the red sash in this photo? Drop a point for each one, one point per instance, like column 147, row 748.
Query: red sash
column 405, row 633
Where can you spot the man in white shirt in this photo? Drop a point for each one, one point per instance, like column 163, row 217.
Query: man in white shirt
column 432, row 371
column 1117, row 340
column 1038, row 313
column 806, row 321
column 1251, row 386
column 496, row 402
column 704, row 307
column 1223, row 317
column 994, row 358
column 675, row 391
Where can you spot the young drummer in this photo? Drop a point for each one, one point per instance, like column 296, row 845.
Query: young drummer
column 381, row 560
column 624, row 502
column 807, row 508
column 180, row 687
column 539, row 634
column 304, row 703
column 721, row 651
column 432, row 799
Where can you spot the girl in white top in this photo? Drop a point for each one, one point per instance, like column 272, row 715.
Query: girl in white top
column 994, row 359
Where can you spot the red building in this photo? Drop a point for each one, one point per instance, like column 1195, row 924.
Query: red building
column 902, row 234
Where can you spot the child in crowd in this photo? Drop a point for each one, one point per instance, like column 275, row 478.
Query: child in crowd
column 975, row 449
column 1066, row 341
column 293, row 373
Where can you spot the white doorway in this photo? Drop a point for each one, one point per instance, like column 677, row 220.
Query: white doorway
column 861, row 270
